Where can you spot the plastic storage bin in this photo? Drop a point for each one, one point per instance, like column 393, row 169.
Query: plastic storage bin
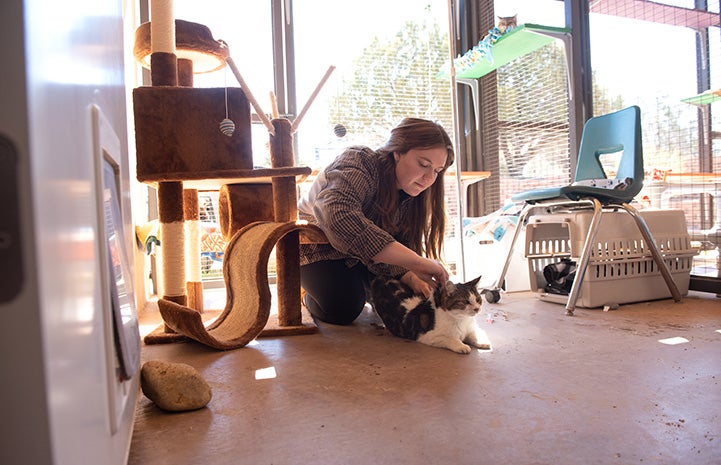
column 621, row 269
column 485, row 259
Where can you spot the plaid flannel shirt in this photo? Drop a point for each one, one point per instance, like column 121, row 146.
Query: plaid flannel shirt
column 343, row 202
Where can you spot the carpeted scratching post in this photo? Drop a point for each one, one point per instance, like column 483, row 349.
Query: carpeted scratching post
column 172, row 237
column 191, row 218
column 164, row 72
column 285, row 208
column 185, row 72
column 191, row 215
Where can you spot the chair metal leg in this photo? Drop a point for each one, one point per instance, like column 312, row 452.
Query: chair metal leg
column 655, row 252
column 521, row 220
column 585, row 256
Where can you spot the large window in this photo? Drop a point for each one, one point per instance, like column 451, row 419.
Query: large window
column 387, row 55
column 532, row 100
column 386, row 58
column 662, row 56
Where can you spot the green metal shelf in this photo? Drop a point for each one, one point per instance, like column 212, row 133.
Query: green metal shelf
column 521, row 41
column 704, row 98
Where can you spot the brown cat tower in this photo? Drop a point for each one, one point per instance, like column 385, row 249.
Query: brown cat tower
column 190, row 139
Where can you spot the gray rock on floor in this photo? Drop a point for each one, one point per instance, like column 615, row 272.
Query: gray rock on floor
column 174, row 387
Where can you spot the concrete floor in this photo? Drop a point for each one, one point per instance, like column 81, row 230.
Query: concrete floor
column 596, row 388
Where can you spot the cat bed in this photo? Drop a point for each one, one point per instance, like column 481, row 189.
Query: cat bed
column 193, row 41
column 248, row 303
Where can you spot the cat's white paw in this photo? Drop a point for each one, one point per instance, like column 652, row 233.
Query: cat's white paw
column 456, row 345
column 460, row 348
column 481, row 345
column 478, row 339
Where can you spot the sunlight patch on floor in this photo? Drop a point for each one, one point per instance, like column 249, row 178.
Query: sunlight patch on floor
column 265, row 373
column 672, row 341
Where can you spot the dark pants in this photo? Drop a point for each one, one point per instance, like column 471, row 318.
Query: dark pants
column 335, row 293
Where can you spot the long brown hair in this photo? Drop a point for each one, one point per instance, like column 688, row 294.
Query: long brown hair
column 426, row 221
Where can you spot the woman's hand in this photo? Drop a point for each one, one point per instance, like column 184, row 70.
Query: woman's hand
column 417, row 285
column 425, row 279
column 427, row 274
column 431, row 272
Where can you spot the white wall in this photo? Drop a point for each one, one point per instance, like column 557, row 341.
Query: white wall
column 58, row 59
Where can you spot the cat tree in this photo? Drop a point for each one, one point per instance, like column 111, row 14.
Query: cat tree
column 184, row 144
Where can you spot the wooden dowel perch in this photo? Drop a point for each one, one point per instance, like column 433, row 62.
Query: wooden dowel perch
column 296, row 122
column 249, row 94
column 273, row 106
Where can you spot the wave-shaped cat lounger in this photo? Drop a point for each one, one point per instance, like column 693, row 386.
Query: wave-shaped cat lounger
column 245, row 269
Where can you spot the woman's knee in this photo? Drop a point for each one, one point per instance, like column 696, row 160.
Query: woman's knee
column 336, row 294
column 333, row 309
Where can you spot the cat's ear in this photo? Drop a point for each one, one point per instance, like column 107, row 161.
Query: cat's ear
column 449, row 288
column 474, row 282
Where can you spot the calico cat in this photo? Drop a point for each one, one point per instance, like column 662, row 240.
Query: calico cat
column 445, row 320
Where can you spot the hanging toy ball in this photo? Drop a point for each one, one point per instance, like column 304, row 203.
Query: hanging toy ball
column 339, row 130
column 227, row 127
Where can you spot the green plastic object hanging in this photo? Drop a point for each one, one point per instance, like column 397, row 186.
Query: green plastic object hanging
column 704, row 98
column 521, row 41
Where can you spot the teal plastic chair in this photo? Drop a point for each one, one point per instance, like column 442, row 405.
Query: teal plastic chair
column 612, row 135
